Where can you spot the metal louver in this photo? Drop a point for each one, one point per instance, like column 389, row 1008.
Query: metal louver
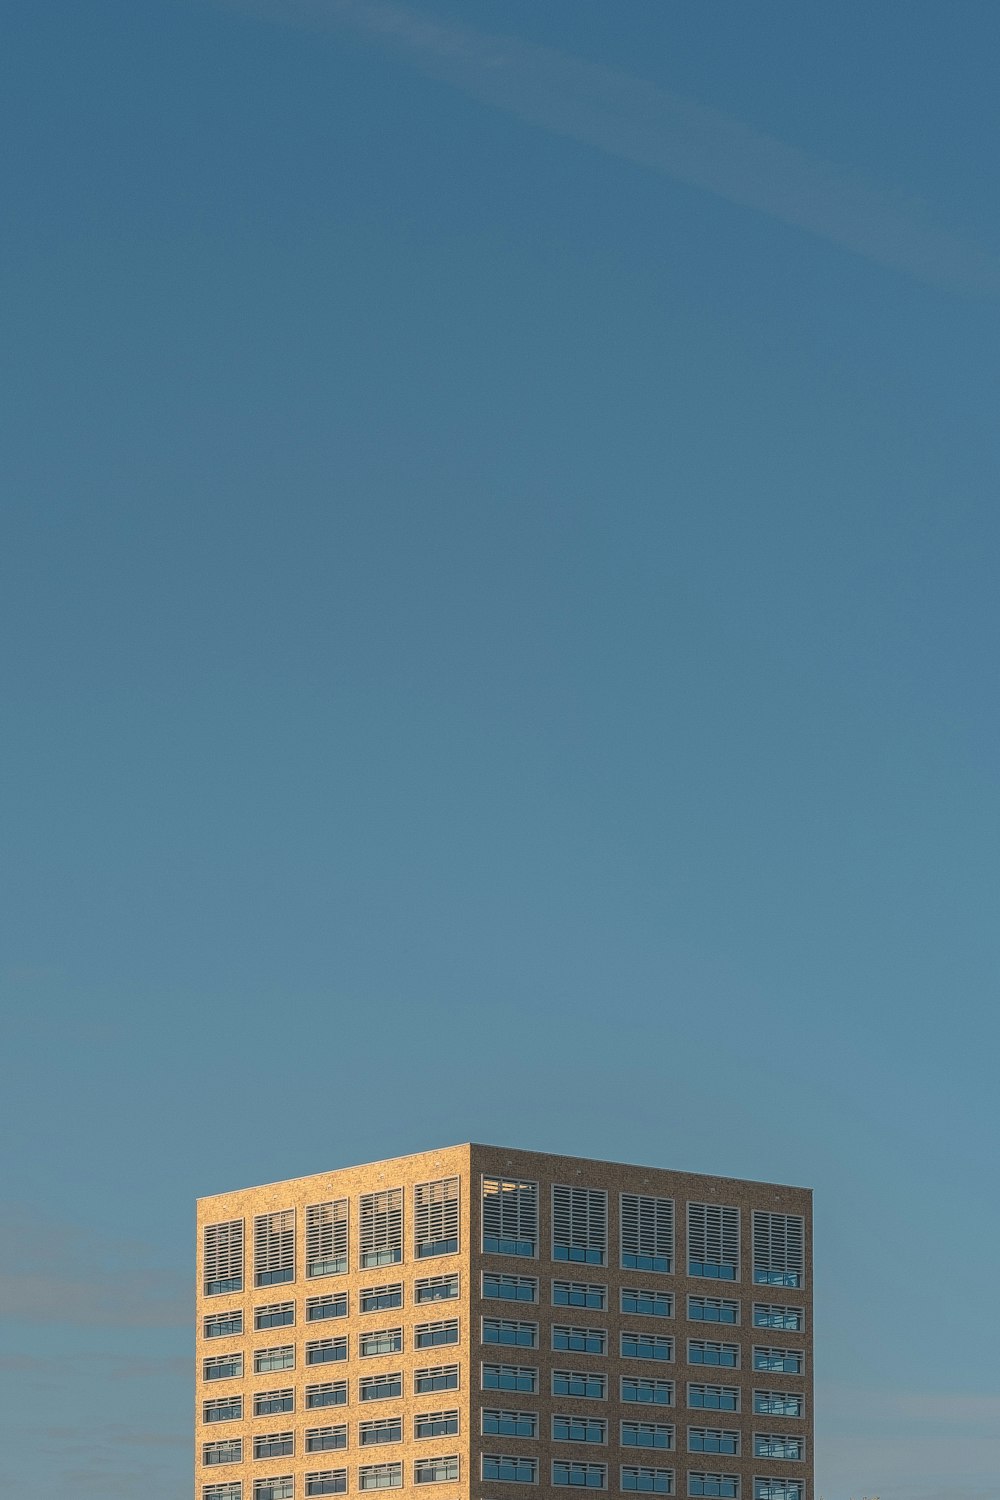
column 647, row 1230
column 223, row 1259
column 274, row 1248
column 435, row 1217
column 326, row 1238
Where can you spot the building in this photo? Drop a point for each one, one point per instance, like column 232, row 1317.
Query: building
column 482, row 1320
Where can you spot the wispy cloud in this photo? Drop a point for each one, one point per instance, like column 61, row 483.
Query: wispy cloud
column 627, row 117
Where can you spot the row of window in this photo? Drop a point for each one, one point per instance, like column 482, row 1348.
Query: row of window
column 371, row 1299
column 378, row 1342
column 649, row 1302
column 509, row 1227
column 503, row 1468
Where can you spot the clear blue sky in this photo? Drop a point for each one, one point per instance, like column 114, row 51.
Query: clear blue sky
column 498, row 575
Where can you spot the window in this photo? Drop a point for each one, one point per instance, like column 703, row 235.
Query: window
column 435, row 1218
column 224, row 1409
column 778, row 1489
column 274, row 1248
column 497, row 1423
column 510, row 1288
column 579, row 1430
column 435, row 1378
column 229, row 1451
column 778, row 1249
column 778, row 1403
column 726, row 1485
column 378, row 1298
column 582, row 1383
column 382, row 1228
column 647, row 1392
column 785, row 1361
column 510, row 1216
column 268, row 1403
column 223, row 1259
column 435, row 1424
column 647, row 1232
column 318, row 1308
column 777, row 1445
column 713, row 1440
column 330, row 1393
column 380, row 1341
column 380, row 1477
column 281, row 1358
column 273, row 1445
column 326, row 1351
column 713, row 1241
column 510, row 1378
column 429, row 1335
column 713, row 1310
column 580, row 1340
column 770, row 1315
column 510, row 1470
column 579, row 1294
column 646, row 1345
column 579, row 1476
column 380, row 1387
column 580, row 1225
column 386, row 1430
column 436, row 1288
column 435, row 1470
column 708, row 1352
column 274, row 1489
column 276, row 1315
column 325, row 1439
column 223, row 1325
column 326, row 1238
column 714, row 1397
column 327, row 1482
column 223, row 1367
column 646, row 1435
column 231, row 1491
column 506, row 1331
column 647, row 1302
column 648, row 1481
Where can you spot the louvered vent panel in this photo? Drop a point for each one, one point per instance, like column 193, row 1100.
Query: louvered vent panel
column 382, row 1227
column 274, row 1247
column 647, row 1232
column 510, row 1215
column 326, row 1238
column 435, row 1213
column 580, row 1224
column 714, row 1234
column 223, row 1262
column 778, row 1248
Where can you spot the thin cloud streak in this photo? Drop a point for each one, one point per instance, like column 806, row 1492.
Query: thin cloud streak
column 632, row 119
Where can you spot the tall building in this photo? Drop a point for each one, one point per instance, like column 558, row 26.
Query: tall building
column 485, row 1320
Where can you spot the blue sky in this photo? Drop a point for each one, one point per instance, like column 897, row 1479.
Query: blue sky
column 498, row 587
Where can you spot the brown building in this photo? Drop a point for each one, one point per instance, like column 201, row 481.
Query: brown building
column 483, row 1320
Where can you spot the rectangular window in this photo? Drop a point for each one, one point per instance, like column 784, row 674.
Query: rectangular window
column 510, row 1216
column 385, row 1430
column 326, row 1439
column 436, row 1288
column 647, row 1435
column 274, row 1248
column 435, row 1470
column 713, row 1397
column 507, row 1469
column 648, row 1481
column 637, row 1345
column 280, row 1358
column 326, row 1351
column 647, row 1302
column 435, row 1424
column 380, row 1477
column 223, row 1258
column 276, row 1315
column 499, row 1423
column 382, row 1228
column 783, row 1361
column 777, row 1445
column 510, row 1378
column 380, row 1341
column 229, row 1451
column 726, row 1486
column 379, row 1298
column 281, row 1488
column 647, row 1392
column 713, row 1440
column 713, row 1310
column 778, row 1249
column 771, row 1315
column 568, row 1475
column 269, row 1403
column 579, row 1294
column 582, row 1383
column 506, row 1331
column 580, row 1225
column 580, row 1340
column 568, row 1429
column 510, row 1288
column 709, row 1352
column 273, row 1445
column 327, row 1482
column 778, row 1489
column 435, row 1378
column 713, row 1244
column 232, row 1490
column 429, row 1335
column 435, row 1218
column 223, row 1325
column 647, row 1232
column 779, row 1404
column 380, row 1387
column 318, row 1308
column 329, row 1393
column 224, row 1409
column 223, row 1367
column 326, row 1238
